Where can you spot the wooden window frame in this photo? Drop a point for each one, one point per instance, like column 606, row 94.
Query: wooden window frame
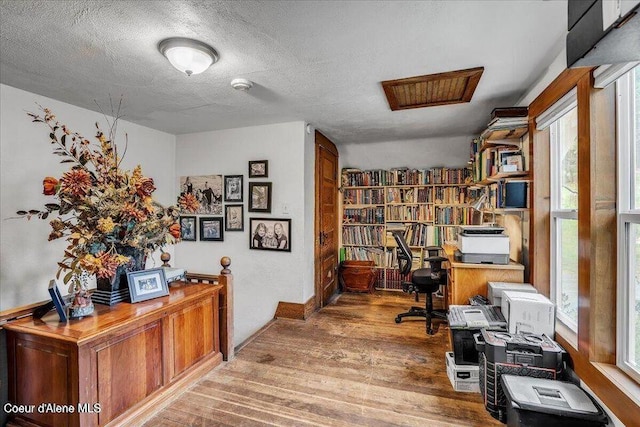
column 595, row 356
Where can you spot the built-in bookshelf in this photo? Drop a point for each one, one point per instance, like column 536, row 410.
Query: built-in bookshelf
column 500, row 163
column 427, row 205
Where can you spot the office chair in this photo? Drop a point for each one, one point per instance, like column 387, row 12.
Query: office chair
column 423, row 280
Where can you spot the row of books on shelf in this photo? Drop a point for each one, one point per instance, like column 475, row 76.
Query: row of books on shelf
column 358, row 253
column 494, row 160
column 420, row 235
column 453, row 215
column 404, row 176
column 453, row 195
column 409, row 195
column 364, row 235
column 363, row 215
column 390, row 278
column 410, row 213
column 364, row 196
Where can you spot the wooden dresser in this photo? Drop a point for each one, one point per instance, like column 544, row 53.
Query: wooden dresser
column 466, row 280
column 115, row 360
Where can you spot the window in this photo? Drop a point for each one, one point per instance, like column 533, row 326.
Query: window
column 564, row 216
column 628, row 310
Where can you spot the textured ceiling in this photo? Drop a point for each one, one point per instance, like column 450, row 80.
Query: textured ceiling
column 321, row 62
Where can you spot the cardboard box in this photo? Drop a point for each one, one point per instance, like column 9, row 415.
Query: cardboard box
column 528, row 313
column 463, row 378
column 495, row 290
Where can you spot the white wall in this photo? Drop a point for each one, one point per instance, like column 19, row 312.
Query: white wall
column 554, row 69
column 261, row 278
column 27, row 259
column 416, row 153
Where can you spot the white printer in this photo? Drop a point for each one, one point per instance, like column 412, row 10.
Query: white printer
column 483, row 244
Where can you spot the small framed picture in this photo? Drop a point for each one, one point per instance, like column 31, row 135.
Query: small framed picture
column 233, row 218
column 270, row 234
column 260, row 197
column 188, row 228
column 211, row 229
column 233, row 188
column 259, row 169
column 147, row 284
column 58, row 302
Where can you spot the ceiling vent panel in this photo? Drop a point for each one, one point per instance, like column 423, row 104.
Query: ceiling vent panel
column 453, row 87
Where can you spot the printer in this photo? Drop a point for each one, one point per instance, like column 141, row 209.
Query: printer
column 482, row 244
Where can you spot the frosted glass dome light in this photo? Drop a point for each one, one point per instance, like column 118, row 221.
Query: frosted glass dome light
column 187, row 55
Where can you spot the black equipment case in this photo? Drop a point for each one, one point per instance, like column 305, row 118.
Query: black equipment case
column 502, row 353
column 539, row 402
column 467, row 320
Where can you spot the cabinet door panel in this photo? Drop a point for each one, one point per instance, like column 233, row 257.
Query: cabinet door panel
column 129, row 369
column 192, row 335
column 50, row 385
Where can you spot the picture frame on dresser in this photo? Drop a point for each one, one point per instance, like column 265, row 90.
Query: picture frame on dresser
column 58, row 301
column 147, row 284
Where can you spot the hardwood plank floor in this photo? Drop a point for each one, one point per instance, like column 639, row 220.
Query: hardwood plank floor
column 350, row 364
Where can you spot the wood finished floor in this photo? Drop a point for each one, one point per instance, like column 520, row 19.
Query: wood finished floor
column 348, row 365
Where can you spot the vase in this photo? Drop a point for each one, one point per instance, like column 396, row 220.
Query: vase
column 115, row 289
column 81, row 304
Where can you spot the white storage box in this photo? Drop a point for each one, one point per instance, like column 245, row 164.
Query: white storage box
column 528, row 313
column 463, row 377
column 495, row 290
column 483, row 243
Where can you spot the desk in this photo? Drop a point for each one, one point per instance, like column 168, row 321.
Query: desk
column 465, row 280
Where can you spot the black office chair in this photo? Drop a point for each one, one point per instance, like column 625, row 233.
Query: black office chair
column 423, row 280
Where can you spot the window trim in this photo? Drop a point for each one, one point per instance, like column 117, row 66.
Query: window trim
column 627, row 214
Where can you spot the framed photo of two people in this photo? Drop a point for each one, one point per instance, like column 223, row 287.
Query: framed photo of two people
column 270, row 234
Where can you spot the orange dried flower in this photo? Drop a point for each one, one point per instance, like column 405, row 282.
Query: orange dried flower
column 49, row 186
column 145, row 186
column 76, row 182
column 188, row 202
column 175, row 230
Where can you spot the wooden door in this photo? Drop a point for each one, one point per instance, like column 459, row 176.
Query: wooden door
column 326, row 213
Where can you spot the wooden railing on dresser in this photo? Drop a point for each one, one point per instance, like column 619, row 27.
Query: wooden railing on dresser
column 118, row 365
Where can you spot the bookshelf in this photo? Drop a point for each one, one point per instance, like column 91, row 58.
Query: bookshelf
column 425, row 204
column 500, row 161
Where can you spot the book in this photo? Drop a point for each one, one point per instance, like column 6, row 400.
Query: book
column 509, row 112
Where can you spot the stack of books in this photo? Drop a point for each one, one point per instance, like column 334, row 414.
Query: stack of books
column 507, row 118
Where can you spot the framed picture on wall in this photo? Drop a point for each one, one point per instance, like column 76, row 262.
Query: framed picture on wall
column 211, row 229
column 270, row 234
column 234, row 218
column 259, row 169
column 188, row 228
column 207, row 189
column 260, row 197
column 233, row 188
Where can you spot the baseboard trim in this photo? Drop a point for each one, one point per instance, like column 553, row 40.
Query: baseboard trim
column 292, row 310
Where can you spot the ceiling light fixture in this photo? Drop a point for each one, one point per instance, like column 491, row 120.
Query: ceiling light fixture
column 241, row 84
column 188, row 55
